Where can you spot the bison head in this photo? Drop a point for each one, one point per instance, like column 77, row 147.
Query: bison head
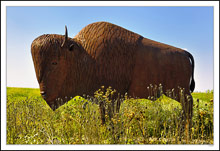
column 51, row 55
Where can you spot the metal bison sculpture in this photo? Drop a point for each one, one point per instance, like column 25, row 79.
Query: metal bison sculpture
column 104, row 54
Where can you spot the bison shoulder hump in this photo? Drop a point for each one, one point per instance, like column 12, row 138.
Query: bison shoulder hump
column 100, row 36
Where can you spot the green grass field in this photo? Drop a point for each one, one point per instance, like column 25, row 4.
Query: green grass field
column 139, row 121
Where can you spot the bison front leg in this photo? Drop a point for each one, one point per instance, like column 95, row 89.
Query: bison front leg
column 102, row 111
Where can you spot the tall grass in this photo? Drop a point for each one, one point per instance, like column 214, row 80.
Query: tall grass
column 139, row 121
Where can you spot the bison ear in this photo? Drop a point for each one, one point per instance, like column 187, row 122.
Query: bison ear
column 73, row 46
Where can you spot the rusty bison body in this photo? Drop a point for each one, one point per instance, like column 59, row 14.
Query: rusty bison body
column 106, row 54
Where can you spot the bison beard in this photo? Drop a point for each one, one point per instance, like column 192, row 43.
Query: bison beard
column 104, row 54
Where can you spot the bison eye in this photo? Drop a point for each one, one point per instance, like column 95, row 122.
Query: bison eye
column 54, row 63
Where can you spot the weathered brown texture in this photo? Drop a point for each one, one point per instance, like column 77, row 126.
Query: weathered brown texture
column 106, row 54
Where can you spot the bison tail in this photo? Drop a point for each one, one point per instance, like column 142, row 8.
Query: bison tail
column 192, row 84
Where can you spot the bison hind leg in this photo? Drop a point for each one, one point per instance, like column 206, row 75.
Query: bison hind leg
column 186, row 101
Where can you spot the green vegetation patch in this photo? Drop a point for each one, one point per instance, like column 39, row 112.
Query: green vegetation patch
column 139, row 121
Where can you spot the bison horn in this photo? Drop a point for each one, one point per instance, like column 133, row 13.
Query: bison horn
column 66, row 36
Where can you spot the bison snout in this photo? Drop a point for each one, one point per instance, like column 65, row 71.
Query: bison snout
column 43, row 93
